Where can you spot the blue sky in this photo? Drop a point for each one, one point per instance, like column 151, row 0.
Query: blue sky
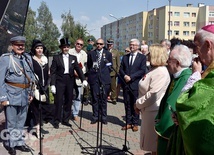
column 95, row 13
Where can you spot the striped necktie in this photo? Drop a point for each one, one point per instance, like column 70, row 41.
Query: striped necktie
column 99, row 58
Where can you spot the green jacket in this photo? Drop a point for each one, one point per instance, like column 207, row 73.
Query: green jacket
column 164, row 124
column 115, row 62
column 195, row 110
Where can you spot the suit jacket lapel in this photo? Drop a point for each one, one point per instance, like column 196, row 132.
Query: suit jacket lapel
column 70, row 61
column 61, row 60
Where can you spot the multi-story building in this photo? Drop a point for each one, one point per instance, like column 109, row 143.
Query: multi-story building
column 166, row 22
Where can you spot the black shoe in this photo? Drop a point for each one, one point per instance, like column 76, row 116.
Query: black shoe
column 114, row 102
column 66, row 124
column 94, row 122
column 56, row 125
column 105, row 122
column 23, row 148
column 44, row 131
column 11, row 151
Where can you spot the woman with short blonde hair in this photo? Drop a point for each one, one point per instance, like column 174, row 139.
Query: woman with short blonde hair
column 152, row 88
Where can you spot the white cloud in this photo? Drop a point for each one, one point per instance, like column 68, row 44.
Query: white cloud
column 84, row 18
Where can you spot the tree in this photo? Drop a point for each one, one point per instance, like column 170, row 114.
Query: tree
column 73, row 30
column 68, row 25
column 31, row 29
column 48, row 31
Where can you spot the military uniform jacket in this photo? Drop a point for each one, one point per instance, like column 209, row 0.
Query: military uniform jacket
column 11, row 72
column 115, row 62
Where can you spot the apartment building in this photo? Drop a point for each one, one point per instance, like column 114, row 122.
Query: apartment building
column 160, row 23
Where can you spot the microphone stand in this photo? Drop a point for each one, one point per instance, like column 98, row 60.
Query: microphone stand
column 125, row 147
column 41, row 90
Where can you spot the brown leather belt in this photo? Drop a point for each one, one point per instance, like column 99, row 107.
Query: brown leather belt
column 20, row 85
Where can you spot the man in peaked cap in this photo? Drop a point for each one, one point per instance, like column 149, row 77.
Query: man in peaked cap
column 114, row 72
column 16, row 93
column 62, row 82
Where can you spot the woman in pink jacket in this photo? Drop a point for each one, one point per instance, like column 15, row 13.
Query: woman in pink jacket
column 152, row 88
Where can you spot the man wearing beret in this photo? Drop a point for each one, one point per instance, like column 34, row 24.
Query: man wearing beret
column 114, row 72
column 16, row 92
column 62, row 82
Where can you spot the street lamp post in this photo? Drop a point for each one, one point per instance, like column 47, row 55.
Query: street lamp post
column 169, row 20
column 118, row 34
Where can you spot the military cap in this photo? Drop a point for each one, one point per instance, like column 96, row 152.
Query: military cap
column 110, row 41
column 18, row 39
column 90, row 39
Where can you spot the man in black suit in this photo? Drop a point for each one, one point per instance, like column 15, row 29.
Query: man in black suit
column 132, row 69
column 99, row 64
column 62, row 82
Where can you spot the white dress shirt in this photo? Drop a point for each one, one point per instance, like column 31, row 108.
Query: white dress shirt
column 66, row 60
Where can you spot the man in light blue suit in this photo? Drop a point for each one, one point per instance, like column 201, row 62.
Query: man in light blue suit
column 16, row 80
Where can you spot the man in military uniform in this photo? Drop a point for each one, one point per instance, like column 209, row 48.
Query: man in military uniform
column 116, row 66
column 16, row 80
column 90, row 46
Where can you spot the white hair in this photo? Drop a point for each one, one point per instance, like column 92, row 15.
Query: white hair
column 205, row 35
column 135, row 40
column 183, row 55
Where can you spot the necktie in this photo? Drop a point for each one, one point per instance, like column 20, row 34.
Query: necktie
column 131, row 62
column 99, row 57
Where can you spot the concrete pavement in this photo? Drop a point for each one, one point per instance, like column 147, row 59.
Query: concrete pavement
column 76, row 141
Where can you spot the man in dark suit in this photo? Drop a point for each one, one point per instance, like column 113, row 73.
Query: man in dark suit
column 62, row 82
column 99, row 62
column 132, row 69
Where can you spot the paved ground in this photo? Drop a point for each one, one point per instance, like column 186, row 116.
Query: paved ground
column 76, row 141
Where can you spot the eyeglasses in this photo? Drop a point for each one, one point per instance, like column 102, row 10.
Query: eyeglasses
column 79, row 44
column 99, row 43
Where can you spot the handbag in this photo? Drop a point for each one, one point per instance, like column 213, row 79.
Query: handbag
column 38, row 96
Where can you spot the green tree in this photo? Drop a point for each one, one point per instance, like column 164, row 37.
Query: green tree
column 48, row 31
column 73, row 30
column 31, row 29
column 68, row 25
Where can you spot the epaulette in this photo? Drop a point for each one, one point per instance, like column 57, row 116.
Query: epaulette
column 6, row 54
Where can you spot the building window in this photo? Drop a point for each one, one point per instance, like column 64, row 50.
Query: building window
column 193, row 14
column 193, row 24
column 186, row 14
column 211, row 14
column 170, row 32
column 186, row 24
column 192, row 33
column 211, row 22
column 170, row 23
column 176, row 32
column 186, row 33
column 176, row 23
column 176, row 14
